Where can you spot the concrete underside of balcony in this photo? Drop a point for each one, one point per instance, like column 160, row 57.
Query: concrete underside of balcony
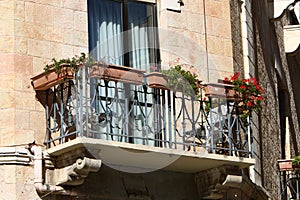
column 141, row 158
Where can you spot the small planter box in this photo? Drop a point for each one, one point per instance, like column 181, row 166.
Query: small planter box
column 47, row 80
column 157, row 80
column 117, row 73
column 286, row 165
column 220, row 90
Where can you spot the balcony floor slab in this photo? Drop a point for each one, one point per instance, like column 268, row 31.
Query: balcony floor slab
column 141, row 158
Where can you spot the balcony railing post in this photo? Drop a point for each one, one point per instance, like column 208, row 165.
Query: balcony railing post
column 250, row 141
column 169, row 111
column 174, row 120
column 48, row 120
column 193, row 124
column 62, row 113
column 183, row 122
column 79, row 102
column 163, row 117
column 230, row 136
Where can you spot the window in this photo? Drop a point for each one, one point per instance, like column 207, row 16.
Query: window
column 123, row 32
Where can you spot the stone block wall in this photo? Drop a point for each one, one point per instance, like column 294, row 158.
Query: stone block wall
column 31, row 33
column 200, row 35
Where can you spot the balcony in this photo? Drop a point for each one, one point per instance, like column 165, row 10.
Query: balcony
column 291, row 38
column 121, row 119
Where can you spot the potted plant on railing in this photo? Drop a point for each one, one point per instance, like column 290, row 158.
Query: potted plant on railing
column 289, row 164
column 58, row 71
column 156, row 79
column 250, row 93
column 247, row 92
column 116, row 73
column 182, row 80
column 176, row 79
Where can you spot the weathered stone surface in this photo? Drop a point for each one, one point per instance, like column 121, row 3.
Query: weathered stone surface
column 80, row 21
column 58, row 50
column 24, row 100
column 7, row 27
column 7, row 9
column 39, row 13
column 75, row 5
column 64, row 18
column 37, row 121
column 39, row 48
column 7, row 99
column 195, row 23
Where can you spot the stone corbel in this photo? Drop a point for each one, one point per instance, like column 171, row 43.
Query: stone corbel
column 76, row 173
column 215, row 182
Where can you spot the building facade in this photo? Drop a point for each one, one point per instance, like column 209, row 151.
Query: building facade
column 104, row 131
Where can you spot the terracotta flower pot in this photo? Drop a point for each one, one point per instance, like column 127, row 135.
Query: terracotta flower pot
column 220, row 90
column 286, row 165
column 51, row 78
column 117, row 73
column 157, row 80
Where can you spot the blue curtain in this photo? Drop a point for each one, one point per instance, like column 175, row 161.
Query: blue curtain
column 105, row 31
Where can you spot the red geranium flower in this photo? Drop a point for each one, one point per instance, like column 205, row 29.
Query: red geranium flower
column 260, row 98
column 243, row 87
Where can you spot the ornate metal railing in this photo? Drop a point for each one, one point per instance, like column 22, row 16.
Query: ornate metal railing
column 132, row 112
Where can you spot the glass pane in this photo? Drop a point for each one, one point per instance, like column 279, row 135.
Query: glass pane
column 105, row 28
column 142, row 35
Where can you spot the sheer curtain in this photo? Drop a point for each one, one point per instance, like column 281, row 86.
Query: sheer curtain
column 105, row 31
column 140, row 23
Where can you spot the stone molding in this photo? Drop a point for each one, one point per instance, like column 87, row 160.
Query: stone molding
column 15, row 156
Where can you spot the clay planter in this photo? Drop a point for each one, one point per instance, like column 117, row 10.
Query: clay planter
column 157, row 80
column 47, row 80
column 220, row 90
column 117, row 73
column 286, row 165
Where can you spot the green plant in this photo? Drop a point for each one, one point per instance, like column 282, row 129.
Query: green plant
column 182, row 80
column 296, row 159
column 249, row 91
column 74, row 62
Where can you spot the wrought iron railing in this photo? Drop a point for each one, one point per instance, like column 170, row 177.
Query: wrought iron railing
column 95, row 107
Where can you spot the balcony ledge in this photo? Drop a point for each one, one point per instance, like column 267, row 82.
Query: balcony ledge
column 291, row 38
column 141, row 158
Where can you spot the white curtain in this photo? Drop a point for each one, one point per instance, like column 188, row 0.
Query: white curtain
column 140, row 22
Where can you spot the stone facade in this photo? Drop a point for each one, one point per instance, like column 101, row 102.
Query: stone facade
column 207, row 35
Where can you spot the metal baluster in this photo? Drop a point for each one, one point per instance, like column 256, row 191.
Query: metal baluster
column 108, row 127
column 48, row 128
column 193, row 124
column 169, row 118
column 163, row 113
column 62, row 109
column 230, row 135
column 183, row 120
column 175, row 120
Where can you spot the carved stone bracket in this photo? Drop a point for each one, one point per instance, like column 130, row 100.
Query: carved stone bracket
column 76, row 173
column 217, row 182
